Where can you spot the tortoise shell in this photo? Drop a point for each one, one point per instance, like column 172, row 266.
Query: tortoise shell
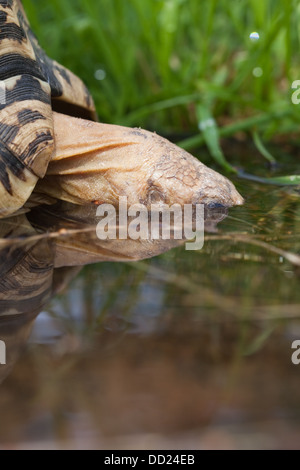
column 31, row 86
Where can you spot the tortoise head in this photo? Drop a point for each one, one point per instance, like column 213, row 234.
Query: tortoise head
column 100, row 162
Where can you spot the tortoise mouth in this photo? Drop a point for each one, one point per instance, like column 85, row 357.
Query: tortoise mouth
column 215, row 205
column 74, row 110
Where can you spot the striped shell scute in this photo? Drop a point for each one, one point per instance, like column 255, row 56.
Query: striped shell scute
column 30, row 84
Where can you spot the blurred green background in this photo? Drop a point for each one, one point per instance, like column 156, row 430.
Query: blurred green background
column 174, row 66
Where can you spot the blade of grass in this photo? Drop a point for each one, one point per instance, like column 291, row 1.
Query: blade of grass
column 290, row 180
column 262, row 149
column 209, row 129
column 243, row 125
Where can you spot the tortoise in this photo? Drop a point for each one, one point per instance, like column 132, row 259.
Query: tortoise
column 34, row 86
column 46, row 126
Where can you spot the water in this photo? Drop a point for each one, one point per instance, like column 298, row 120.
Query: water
column 184, row 350
column 254, row 36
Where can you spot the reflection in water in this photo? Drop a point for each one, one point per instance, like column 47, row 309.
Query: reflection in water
column 26, row 272
column 39, row 255
column 185, row 350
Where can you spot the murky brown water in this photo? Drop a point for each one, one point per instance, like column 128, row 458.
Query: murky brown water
column 184, row 350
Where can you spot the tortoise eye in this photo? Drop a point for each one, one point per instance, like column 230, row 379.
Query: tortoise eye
column 155, row 196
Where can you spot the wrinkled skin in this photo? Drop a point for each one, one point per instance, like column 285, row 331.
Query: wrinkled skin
column 100, row 162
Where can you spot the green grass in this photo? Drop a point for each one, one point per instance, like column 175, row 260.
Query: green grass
column 168, row 63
